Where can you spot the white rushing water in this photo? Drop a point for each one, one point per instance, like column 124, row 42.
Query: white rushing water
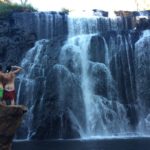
column 101, row 117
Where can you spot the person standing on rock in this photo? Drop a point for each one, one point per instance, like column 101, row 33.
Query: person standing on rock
column 9, row 88
column 1, row 83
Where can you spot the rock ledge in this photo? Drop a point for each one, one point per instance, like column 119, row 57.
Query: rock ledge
column 10, row 119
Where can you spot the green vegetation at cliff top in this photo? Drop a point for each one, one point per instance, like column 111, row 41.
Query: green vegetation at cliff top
column 7, row 8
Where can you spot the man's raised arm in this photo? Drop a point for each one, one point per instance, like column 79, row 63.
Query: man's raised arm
column 16, row 69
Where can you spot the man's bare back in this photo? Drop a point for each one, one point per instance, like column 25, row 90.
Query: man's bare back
column 9, row 81
column 9, row 87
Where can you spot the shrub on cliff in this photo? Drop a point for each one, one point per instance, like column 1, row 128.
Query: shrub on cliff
column 7, row 8
column 65, row 10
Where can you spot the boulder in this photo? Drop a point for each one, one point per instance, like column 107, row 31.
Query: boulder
column 10, row 119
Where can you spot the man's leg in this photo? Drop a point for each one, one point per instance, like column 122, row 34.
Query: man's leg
column 13, row 102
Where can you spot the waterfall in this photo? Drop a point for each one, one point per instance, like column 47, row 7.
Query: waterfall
column 78, row 45
column 94, row 83
column 33, row 71
column 44, row 25
column 104, row 116
column 142, row 63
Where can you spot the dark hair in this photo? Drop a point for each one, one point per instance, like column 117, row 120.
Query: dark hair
column 1, row 67
column 8, row 68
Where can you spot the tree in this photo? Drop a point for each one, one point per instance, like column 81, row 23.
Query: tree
column 65, row 10
column 24, row 2
column 137, row 5
column 142, row 4
column 5, row 1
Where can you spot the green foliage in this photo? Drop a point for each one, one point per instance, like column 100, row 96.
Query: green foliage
column 5, row 1
column 65, row 10
column 8, row 8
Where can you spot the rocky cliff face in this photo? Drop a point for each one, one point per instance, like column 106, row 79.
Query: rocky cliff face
column 10, row 118
column 13, row 41
column 19, row 31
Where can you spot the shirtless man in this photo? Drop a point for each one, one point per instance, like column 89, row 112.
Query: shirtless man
column 9, row 88
column 1, row 83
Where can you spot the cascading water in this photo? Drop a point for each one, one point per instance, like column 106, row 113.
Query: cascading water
column 79, row 46
column 84, row 86
column 142, row 81
column 103, row 115
column 34, row 67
